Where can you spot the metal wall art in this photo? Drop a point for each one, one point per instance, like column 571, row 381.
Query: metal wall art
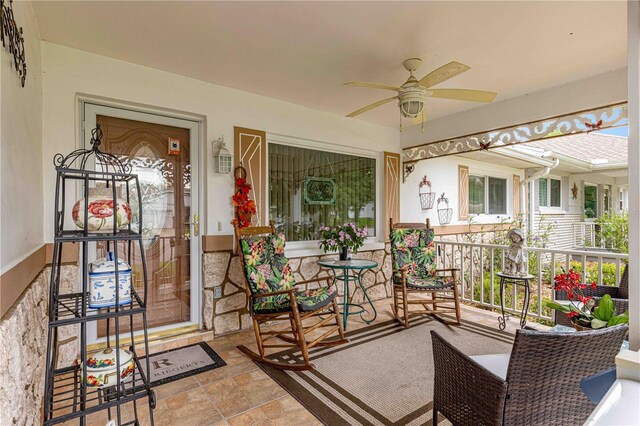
column 12, row 38
column 580, row 122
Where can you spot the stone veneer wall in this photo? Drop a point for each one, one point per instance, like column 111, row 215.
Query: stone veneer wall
column 23, row 342
column 230, row 313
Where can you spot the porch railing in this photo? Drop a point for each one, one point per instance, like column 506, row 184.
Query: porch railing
column 479, row 264
column 584, row 234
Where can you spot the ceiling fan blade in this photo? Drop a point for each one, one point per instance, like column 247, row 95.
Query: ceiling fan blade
column 462, row 94
column 372, row 106
column 443, row 73
column 372, row 85
column 420, row 118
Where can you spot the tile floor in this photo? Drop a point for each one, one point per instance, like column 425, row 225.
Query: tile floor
column 240, row 393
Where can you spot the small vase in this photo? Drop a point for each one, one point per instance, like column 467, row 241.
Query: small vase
column 344, row 254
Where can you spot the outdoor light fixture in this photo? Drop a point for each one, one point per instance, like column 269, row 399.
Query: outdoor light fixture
column 224, row 159
column 411, row 101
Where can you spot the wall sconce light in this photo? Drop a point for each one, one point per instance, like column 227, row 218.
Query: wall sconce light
column 223, row 158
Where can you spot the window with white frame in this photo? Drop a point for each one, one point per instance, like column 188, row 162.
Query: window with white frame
column 310, row 188
column 487, row 195
column 550, row 192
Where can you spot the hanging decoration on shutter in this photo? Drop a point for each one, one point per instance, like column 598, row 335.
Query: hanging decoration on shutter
column 245, row 207
column 13, row 39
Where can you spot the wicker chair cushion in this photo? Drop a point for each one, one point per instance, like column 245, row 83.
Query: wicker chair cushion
column 498, row 364
column 429, row 282
column 414, row 250
column 308, row 300
column 266, row 267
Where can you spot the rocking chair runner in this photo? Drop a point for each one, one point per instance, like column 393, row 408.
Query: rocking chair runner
column 273, row 297
column 413, row 255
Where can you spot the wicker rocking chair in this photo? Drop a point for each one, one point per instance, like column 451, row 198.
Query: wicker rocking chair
column 273, row 298
column 413, row 255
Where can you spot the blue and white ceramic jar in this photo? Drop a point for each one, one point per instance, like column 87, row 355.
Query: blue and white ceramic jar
column 102, row 282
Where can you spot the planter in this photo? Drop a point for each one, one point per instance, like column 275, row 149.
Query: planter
column 100, row 214
column 578, row 326
column 102, row 283
column 102, row 370
column 445, row 213
column 426, row 196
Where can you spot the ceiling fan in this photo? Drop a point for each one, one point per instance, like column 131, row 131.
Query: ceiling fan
column 412, row 94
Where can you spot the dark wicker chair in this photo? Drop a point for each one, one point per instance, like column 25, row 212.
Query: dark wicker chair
column 413, row 255
column 620, row 296
column 538, row 383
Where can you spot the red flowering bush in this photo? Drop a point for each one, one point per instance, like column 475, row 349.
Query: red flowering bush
column 245, row 208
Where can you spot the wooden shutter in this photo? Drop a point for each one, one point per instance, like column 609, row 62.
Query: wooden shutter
column 250, row 149
column 463, row 192
column 517, row 209
column 392, row 168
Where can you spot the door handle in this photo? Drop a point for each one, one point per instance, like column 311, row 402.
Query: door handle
column 196, row 226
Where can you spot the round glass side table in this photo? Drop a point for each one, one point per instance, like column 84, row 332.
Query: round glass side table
column 346, row 271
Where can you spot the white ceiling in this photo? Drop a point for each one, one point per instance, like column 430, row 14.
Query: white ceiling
column 302, row 52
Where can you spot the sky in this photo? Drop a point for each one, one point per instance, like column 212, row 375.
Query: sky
column 618, row 131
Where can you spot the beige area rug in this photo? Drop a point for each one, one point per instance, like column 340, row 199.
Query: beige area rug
column 384, row 375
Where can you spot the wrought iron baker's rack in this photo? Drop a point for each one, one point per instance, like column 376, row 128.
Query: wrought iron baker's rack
column 66, row 395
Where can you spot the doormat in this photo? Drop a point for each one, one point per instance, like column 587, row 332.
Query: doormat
column 176, row 364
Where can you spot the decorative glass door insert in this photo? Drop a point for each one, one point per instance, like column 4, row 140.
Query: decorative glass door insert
column 159, row 155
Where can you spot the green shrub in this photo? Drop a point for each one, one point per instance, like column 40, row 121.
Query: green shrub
column 614, row 230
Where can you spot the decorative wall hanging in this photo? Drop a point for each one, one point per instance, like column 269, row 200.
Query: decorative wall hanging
column 245, row 208
column 445, row 213
column 174, row 146
column 318, row 190
column 427, row 197
column 574, row 191
column 14, row 39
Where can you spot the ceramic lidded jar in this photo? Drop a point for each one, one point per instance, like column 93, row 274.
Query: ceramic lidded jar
column 102, row 282
column 100, row 211
column 102, row 368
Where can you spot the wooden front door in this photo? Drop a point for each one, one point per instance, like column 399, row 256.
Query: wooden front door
column 159, row 155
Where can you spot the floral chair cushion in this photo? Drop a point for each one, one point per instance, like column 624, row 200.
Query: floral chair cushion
column 414, row 250
column 267, row 269
column 425, row 283
column 308, row 300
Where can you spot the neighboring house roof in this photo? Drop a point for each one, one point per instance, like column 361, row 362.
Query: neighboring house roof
column 595, row 148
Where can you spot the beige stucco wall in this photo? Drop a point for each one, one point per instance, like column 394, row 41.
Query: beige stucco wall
column 21, row 203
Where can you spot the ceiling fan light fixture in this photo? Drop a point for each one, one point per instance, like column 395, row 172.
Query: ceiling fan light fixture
column 411, row 102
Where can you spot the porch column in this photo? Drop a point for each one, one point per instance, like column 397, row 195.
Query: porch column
column 633, row 60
